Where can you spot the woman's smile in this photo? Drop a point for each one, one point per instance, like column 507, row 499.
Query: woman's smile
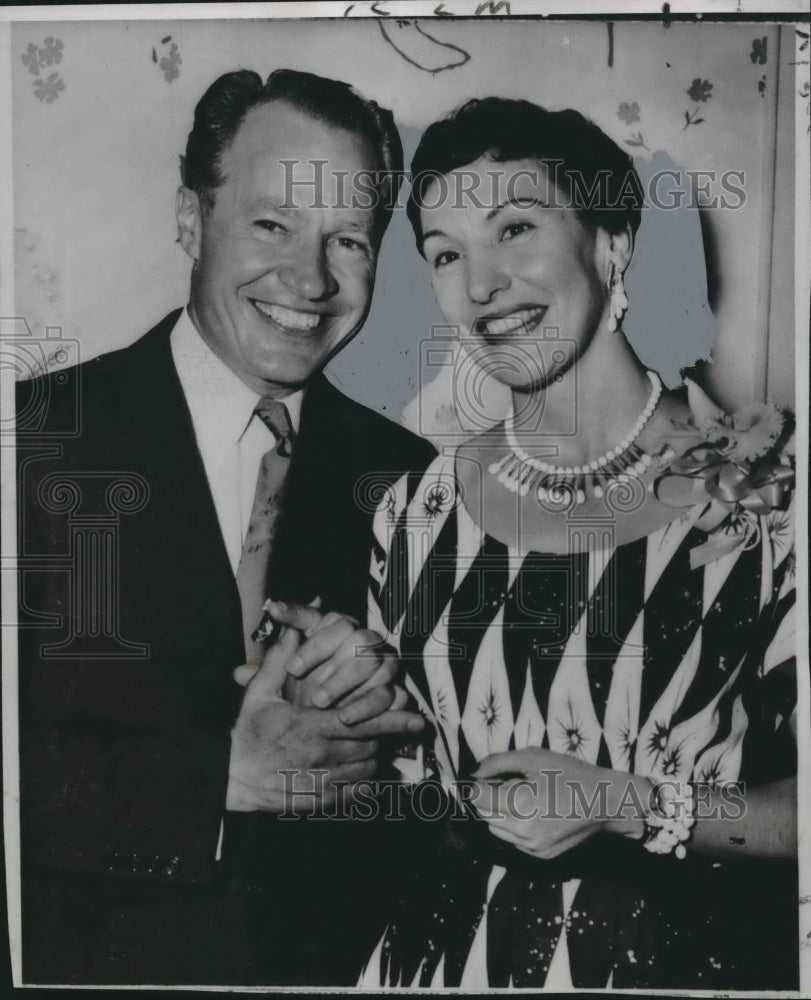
column 521, row 319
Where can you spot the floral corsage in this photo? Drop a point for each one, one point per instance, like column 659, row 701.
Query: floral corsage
column 737, row 469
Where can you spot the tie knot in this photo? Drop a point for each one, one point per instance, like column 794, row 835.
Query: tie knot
column 275, row 417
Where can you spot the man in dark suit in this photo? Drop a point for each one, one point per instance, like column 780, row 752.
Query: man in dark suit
column 162, row 841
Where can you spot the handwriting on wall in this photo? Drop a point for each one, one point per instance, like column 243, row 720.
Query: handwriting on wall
column 476, row 8
column 420, row 48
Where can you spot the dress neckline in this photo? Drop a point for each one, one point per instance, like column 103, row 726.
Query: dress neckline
column 685, row 520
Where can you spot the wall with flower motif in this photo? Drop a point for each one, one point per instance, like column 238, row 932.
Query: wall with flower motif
column 101, row 111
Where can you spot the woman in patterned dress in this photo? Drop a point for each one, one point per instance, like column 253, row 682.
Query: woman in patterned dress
column 590, row 598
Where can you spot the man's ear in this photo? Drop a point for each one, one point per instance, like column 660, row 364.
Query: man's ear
column 189, row 215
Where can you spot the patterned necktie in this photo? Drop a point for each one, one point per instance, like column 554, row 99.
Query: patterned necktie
column 253, row 563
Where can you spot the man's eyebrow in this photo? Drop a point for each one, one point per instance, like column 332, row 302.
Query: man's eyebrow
column 518, row 203
column 270, row 205
column 356, row 225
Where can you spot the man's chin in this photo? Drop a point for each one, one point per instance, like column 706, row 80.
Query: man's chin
column 288, row 375
column 292, row 360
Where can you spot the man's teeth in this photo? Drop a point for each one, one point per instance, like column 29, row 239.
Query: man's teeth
column 508, row 324
column 291, row 319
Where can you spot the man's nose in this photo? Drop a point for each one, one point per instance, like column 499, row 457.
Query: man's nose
column 308, row 274
column 485, row 279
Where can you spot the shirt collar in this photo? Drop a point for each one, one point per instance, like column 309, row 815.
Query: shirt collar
column 220, row 403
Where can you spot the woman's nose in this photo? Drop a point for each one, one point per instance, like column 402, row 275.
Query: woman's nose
column 485, row 279
column 308, row 274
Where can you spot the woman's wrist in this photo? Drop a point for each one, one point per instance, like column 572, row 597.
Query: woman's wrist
column 629, row 801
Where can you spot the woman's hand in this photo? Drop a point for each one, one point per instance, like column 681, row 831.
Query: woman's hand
column 336, row 664
column 545, row 803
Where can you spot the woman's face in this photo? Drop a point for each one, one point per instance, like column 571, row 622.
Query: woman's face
column 514, row 269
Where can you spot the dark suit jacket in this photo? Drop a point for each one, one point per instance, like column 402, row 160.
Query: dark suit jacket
column 131, row 629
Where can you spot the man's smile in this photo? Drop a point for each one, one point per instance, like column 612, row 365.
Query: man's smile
column 294, row 320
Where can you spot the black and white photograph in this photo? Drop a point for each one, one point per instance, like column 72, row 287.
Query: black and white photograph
column 404, row 430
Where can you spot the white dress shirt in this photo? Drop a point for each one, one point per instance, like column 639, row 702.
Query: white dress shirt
column 231, row 438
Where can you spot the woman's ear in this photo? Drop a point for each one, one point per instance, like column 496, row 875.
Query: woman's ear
column 621, row 248
column 189, row 215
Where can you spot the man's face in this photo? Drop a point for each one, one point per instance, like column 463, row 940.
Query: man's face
column 279, row 285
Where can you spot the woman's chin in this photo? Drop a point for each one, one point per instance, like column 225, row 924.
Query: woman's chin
column 518, row 381
column 521, row 365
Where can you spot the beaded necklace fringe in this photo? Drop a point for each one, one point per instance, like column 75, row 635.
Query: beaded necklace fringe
column 520, row 472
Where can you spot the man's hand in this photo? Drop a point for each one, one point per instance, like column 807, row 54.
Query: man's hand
column 272, row 736
column 337, row 665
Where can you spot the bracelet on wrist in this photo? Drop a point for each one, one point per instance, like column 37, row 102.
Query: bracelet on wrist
column 671, row 818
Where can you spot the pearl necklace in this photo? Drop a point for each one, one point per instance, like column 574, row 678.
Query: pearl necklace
column 519, row 471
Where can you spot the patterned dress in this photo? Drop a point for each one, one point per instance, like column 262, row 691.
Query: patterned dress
column 622, row 655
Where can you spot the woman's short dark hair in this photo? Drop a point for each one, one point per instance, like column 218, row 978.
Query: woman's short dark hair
column 588, row 168
column 224, row 106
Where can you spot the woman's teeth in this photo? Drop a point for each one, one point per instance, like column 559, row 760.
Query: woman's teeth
column 291, row 319
column 512, row 322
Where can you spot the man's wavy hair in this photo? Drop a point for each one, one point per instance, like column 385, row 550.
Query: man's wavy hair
column 224, row 106
column 580, row 156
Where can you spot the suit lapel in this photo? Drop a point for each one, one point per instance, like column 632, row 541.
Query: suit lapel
column 179, row 545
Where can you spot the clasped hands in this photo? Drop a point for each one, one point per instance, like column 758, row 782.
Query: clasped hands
column 313, row 714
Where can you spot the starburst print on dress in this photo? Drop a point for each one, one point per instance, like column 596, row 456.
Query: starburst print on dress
column 657, row 743
column 574, row 733
column 442, row 706
column 710, row 773
column 627, row 736
column 435, row 500
column 490, row 710
column 627, row 740
column 576, row 739
column 671, row 759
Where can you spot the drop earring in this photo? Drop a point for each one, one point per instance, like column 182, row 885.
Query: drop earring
column 619, row 300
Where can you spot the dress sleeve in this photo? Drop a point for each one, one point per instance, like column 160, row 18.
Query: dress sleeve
column 770, row 696
column 778, row 667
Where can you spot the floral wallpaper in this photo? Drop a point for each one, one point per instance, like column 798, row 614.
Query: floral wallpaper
column 36, row 59
column 169, row 63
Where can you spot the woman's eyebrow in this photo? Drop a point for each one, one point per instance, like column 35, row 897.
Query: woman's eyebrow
column 518, row 203
column 430, row 233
